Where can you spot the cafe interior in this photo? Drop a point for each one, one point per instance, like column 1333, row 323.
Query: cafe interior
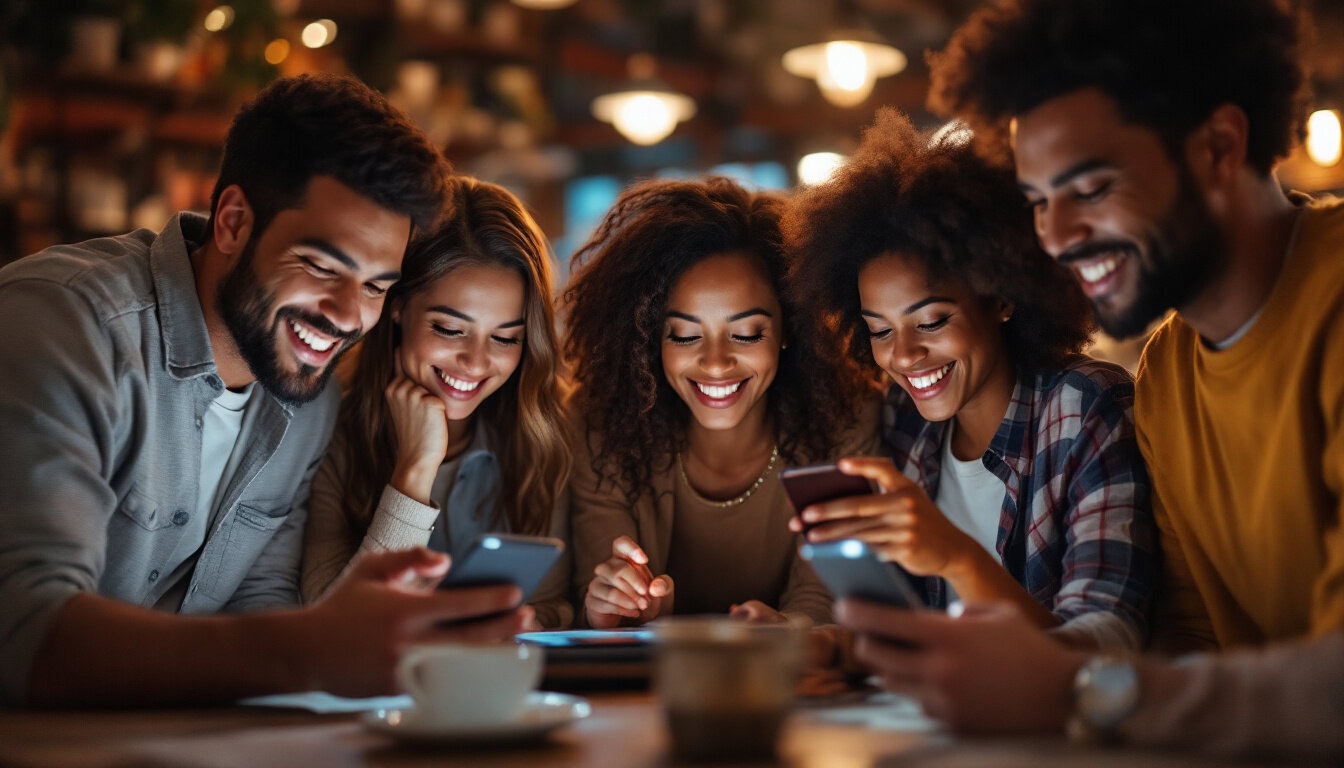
column 113, row 117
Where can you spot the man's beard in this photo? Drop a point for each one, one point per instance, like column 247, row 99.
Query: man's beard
column 246, row 308
column 1184, row 255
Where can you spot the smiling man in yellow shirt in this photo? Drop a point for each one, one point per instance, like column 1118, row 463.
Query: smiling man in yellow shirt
column 1244, row 439
column 1153, row 182
column 1144, row 134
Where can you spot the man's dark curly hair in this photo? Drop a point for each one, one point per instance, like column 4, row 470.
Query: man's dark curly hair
column 1167, row 63
column 616, row 305
column 938, row 202
column 327, row 125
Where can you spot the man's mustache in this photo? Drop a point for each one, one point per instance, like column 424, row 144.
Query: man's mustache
column 319, row 323
column 1085, row 251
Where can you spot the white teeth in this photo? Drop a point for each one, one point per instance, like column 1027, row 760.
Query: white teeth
column 924, row 382
column 311, row 339
column 459, row 384
column 1094, row 272
column 718, row 393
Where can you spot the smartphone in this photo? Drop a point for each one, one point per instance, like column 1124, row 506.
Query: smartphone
column 850, row 569
column 501, row 558
column 806, row 486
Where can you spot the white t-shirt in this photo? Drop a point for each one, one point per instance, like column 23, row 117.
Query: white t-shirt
column 971, row 497
column 222, row 429
column 219, row 434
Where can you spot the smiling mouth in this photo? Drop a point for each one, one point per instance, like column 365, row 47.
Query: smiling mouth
column 1098, row 276
column 927, row 383
column 462, row 386
column 719, row 391
column 314, row 340
column 723, row 395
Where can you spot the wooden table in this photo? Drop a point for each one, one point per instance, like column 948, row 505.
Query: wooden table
column 624, row 731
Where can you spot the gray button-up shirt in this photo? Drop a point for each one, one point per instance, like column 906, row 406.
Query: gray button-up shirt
column 105, row 373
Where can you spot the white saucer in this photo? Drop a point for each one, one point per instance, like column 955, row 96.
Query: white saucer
column 542, row 713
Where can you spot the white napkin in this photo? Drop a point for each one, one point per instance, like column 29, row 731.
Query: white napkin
column 324, row 703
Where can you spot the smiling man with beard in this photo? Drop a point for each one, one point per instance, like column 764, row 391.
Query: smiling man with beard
column 1144, row 135
column 164, row 407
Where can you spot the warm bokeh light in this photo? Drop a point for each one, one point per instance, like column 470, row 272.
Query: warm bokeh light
column 846, row 66
column 277, row 51
column 319, row 33
column 644, row 117
column 817, row 167
column 1324, row 137
column 219, row 19
column 844, row 77
column 845, row 70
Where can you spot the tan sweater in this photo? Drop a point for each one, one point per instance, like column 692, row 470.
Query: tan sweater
column 745, row 552
column 401, row 522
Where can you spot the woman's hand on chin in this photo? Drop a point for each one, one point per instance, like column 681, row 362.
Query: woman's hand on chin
column 421, row 424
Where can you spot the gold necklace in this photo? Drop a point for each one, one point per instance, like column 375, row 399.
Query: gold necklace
column 733, row 502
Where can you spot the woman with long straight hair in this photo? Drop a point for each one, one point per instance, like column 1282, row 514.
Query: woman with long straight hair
column 452, row 425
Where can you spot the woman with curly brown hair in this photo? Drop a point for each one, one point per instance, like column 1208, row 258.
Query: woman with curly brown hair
column 698, row 380
column 1011, row 469
column 453, row 424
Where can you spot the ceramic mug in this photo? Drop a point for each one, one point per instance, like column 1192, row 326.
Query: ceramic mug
column 463, row 685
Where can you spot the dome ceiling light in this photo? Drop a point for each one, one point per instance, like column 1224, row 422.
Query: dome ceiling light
column 646, row 111
column 845, row 67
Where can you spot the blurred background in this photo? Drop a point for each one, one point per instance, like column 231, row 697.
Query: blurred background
column 113, row 112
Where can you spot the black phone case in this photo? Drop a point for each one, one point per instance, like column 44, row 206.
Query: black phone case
column 498, row 558
column 819, row 483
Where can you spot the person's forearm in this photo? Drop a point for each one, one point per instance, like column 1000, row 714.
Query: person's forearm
column 805, row 597
column 103, row 653
column 415, row 480
column 978, row 578
column 1285, row 699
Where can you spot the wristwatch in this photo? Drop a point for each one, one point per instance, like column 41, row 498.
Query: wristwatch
column 1105, row 692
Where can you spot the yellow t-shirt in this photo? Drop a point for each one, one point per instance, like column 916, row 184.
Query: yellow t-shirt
column 1246, row 451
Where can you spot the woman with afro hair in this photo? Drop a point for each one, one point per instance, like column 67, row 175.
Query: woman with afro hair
column 1010, row 468
column 697, row 381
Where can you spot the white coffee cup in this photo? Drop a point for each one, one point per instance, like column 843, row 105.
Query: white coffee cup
column 464, row 685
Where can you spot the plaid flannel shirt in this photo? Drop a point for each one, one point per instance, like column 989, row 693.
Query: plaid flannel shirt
column 1076, row 529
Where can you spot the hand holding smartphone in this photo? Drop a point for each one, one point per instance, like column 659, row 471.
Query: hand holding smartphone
column 820, row 483
column 501, row 558
column 849, row 568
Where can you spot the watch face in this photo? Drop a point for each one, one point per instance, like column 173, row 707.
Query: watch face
column 1107, row 690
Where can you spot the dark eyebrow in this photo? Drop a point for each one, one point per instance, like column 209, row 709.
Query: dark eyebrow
column 925, row 302
column 1078, row 169
column 344, row 258
column 446, row 310
column 740, row 315
column 450, row 311
column 749, row 313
